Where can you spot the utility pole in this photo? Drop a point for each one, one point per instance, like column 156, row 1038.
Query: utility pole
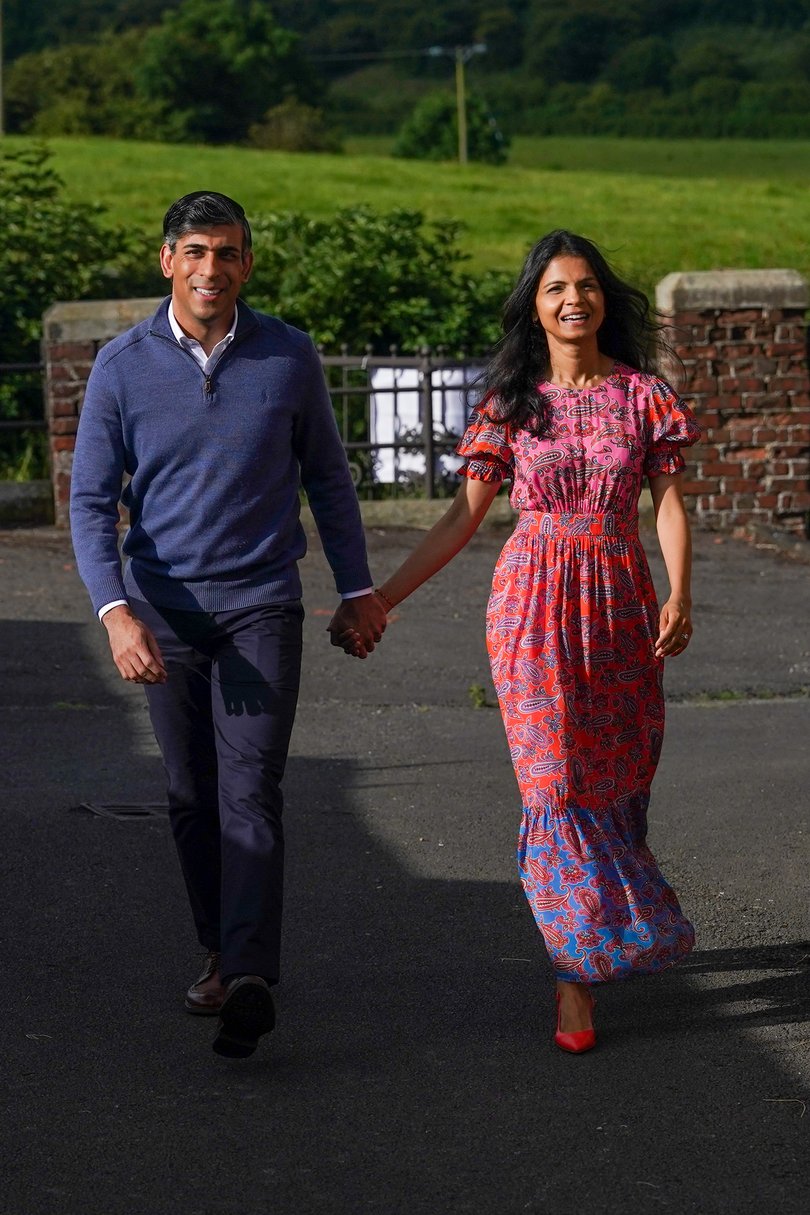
column 2, row 127
column 461, row 106
column 462, row 56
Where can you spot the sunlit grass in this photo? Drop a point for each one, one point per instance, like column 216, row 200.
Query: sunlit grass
column 656, row 205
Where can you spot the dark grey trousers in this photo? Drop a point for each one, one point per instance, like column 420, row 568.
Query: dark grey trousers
column 223, row 723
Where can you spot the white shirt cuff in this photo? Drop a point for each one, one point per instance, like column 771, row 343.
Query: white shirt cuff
column 357, row 594
column 108, row 607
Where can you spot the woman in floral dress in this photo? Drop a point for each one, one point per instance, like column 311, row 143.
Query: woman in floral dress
column 575, row 418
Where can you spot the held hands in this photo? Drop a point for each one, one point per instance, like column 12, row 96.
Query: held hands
column 675, row 629
column 358, row 624
column 134, row 649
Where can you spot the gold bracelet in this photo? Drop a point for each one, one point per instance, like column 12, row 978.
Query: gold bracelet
column 388, row 605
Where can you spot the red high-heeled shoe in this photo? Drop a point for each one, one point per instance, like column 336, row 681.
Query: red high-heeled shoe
column 579, row 1041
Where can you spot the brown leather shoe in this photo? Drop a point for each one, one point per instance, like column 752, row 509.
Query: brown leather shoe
column 205, row 996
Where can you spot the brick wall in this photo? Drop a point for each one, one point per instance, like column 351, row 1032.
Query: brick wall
column 742, row 337
column 72, row 335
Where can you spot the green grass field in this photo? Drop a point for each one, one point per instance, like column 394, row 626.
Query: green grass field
column 654, row 205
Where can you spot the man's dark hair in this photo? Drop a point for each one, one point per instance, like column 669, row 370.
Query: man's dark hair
column 200, row 210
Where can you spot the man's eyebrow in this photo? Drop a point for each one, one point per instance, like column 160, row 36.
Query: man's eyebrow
column 196, row 244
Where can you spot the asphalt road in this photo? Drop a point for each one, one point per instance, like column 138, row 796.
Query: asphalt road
column 412, row 1069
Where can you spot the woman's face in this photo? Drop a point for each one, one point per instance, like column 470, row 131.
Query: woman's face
column 570, row 303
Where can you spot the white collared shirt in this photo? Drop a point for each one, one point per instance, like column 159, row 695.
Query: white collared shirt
column 207, row 361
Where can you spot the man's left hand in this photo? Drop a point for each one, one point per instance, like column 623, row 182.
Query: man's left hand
column 358, row 624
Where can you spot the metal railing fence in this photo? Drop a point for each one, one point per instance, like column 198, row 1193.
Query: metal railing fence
column 400, row 416
column 21, row 396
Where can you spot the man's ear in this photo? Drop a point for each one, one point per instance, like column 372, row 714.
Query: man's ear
column 247, row 265
column 166, row 261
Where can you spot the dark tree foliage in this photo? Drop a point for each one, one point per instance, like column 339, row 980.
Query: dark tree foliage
column 646, row 63
column 586, row 66
column 396, row 24
column 575, row 49
column 216, row 66
column 80, row 89
column 30, row 25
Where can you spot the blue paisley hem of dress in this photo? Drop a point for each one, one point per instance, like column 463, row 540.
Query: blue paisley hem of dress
column 621, row 919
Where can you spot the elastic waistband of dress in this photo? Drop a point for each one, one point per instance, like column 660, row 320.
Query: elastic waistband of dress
column 569, row 523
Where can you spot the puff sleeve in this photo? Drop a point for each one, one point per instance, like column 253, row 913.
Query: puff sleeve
column 485, row 448
column 670, row 426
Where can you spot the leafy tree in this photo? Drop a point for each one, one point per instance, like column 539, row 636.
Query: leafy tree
column 499, row 29
column 705, row 60
column 774, row 110
column 798, row 59
column 32, row 25
column 364, row 278
column 216, row 66
column 643, row 64
column 600, row 109
column 575, row 47
column 337, row 29
column 431, row 132
column 83, row 89
column 402, row 24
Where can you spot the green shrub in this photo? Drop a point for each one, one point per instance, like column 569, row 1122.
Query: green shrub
column 431, row 132
column 52, row 249
column 294, row 127
column 364, row 278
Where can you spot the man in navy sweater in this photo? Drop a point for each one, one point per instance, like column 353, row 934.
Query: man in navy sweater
column 217, row 414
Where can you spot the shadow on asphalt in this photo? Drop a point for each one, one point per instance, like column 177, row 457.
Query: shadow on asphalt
column 730, row 988
column 412, row 1069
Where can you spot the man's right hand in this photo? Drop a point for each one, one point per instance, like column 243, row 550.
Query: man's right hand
column 358, row 624
column 134, row 649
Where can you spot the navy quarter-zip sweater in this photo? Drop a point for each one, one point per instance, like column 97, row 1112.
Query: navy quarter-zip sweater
column 215, row 464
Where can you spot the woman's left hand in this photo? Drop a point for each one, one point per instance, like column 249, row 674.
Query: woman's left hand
column 675, row 627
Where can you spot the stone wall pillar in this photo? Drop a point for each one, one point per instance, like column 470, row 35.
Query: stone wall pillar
column 742, row 338
column 72, row 335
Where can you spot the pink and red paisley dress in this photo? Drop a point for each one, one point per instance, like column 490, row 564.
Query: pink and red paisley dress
column 571, row 628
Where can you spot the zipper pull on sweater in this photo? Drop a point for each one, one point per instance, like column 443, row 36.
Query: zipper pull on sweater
column 208, row 389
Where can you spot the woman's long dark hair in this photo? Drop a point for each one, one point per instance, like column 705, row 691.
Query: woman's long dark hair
column 521, row 361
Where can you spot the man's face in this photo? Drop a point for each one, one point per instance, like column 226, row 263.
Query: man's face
column 207, row 270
